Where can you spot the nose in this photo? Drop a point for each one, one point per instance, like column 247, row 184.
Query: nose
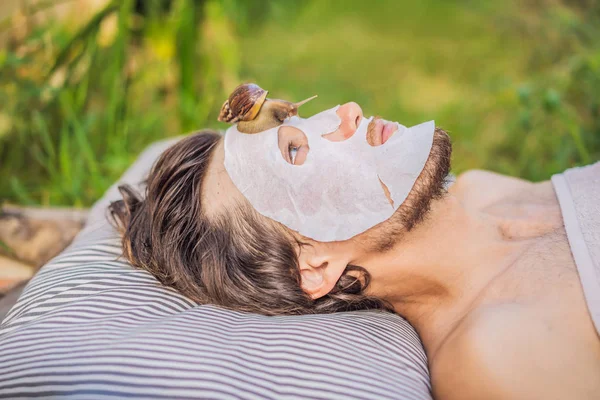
column 351, row 114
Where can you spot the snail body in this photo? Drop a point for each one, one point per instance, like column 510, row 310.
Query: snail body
column 249, row 107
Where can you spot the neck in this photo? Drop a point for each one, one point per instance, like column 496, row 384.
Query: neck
column 436, row 273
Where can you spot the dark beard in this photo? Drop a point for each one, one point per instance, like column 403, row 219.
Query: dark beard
column 430, row 185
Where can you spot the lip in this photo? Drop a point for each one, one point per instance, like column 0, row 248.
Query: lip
column 387, row 131
column 383, row 130
column 380, row 130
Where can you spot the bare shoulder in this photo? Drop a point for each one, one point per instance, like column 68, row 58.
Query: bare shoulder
column 481, row 188
column 478, row 176
column 504, row 352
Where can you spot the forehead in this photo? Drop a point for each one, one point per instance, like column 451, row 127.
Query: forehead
column 220, row 195
column 219, row 191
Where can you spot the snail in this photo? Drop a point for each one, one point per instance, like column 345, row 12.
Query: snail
column 249, row 106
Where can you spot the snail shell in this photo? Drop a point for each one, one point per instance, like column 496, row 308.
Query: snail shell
column 243, row 104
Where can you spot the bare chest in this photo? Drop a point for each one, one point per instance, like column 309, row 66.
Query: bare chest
column 543, row 282
column 532, row 322
column 539, row 303
column 542, row 288
column 544, row 278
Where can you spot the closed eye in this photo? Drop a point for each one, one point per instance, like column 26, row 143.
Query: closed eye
column 292, row 150
column 293, row 145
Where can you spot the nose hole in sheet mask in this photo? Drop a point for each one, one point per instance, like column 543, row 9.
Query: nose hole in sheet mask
column 350, row 115
column 293, row 144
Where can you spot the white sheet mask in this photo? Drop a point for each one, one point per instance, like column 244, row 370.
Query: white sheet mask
column 335, row 194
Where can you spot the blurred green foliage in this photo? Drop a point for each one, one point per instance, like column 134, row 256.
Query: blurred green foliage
column 516, row 83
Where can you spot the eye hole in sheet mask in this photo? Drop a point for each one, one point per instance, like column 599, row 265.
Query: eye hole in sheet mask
column 293, row 144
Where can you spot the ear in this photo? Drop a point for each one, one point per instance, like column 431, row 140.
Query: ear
column 321, row 267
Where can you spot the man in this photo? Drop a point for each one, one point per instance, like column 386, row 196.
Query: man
column 338, row 212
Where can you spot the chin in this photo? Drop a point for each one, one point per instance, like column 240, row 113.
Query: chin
column 431, row 185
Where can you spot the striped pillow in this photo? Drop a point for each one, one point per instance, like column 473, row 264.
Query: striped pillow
column 89, row 325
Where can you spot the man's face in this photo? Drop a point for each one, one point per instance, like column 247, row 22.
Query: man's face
column 293, row 147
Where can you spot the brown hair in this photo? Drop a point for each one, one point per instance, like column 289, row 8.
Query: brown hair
column 235, row 260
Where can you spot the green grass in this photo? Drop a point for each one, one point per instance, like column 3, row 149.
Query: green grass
column 516, row 83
